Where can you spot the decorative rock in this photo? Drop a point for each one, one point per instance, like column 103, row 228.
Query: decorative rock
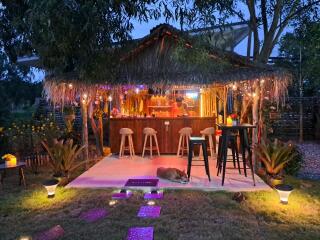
column 94, row 215
column 238, row 197
column 140, row 233
column 51, row 234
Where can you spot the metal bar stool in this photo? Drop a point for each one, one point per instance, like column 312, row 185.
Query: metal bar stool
column 202, row 142
column 244, row 144
column 232, row 144
column 150, row 133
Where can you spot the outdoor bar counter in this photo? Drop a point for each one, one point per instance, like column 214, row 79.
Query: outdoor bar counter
column 167, row 130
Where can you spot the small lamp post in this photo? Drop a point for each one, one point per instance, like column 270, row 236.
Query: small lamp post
column 51, row 186
column 284, row 192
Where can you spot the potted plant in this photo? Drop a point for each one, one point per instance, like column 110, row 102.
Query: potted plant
column 63, row 155
column 274, row 156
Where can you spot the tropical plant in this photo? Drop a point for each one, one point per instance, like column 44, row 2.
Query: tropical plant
column 63, row 155
column 275, row 155
column 293, row 167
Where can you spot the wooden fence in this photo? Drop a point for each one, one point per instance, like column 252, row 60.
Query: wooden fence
column 286, row 122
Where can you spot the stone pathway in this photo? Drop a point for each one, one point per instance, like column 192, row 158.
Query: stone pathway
column 311, row 165
column 95, row 214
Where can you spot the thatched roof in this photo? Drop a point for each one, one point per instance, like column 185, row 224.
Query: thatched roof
column 153, row 60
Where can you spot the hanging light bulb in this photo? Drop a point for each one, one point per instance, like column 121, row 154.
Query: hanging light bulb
column 234, row 87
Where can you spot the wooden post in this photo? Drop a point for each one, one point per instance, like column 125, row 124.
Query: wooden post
column 225, row 105
column 85, row 140
column 255, row 119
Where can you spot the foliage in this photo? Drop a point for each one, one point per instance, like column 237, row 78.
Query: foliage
column 26, row 136
column 68, row 110
column 293, row 166
column 63, row 156
column 272, row 17
column 306, row 38
column 275, row 155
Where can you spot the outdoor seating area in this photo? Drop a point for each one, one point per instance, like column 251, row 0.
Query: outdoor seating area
column 113, row 172
column 159, row 120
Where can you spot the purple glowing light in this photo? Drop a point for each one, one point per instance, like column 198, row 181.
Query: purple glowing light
column 140, row 233
column 142, row 182
column 121, row 195
column 94, row 215
column 148, row 196
column 149, row 211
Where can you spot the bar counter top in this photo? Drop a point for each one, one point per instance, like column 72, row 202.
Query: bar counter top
column 167, row 130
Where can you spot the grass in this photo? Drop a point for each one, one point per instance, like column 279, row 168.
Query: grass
column 184, row 215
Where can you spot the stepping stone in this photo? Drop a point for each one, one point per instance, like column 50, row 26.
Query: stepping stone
column 153, row 182
column 149, row 211
column 153, row 195
column 51, row 234
column 140, row 233
column 122, row 195
column 93, row 215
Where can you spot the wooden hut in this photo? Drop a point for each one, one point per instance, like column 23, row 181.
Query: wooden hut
column 166, row 66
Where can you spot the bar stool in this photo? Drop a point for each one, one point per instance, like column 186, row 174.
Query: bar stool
column 126, row 132
column 208, row 132
column 150, row 133
column 232, row 144
column 202, row 142
column 185, row 134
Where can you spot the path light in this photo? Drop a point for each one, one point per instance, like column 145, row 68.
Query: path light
column 112, row 202
column 284, row 192
column 51, row 186
column 151, row 203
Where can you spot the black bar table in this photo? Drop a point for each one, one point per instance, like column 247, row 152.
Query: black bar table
column 244, row 144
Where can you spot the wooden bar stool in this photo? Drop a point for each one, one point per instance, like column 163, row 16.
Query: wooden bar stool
column 208, row 132
column 185, row 134
column 126, row 132
column 150, row 133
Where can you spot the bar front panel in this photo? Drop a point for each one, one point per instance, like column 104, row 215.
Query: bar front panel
column 167, row 131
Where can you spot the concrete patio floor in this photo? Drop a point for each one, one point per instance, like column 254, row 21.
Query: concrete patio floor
column 113, row 172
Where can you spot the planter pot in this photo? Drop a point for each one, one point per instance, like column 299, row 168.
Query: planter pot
column 273, row 181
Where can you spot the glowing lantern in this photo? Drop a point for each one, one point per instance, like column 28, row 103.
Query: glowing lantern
column 10, row 160
column 229, row 121
column 51, row 186
column 284, row 192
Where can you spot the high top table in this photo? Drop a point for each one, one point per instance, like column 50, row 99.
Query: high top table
column 244, row 145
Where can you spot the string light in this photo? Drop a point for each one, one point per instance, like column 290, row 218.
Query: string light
column 137, row 90
column 70, row 85
column 234, row 87
column 110, row 98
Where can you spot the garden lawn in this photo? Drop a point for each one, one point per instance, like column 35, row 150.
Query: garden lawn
column 184, row 214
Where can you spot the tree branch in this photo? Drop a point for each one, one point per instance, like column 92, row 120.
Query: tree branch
column 264, row 16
